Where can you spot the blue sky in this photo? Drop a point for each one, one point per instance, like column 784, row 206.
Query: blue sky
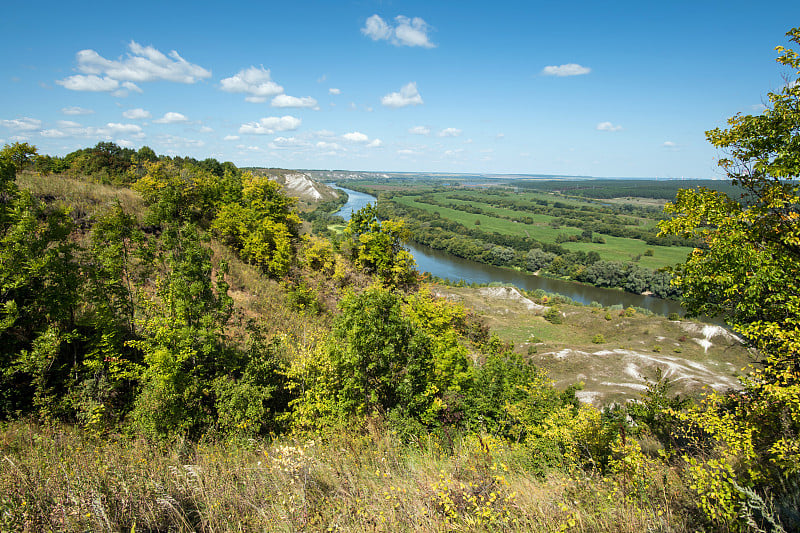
column 618, row 89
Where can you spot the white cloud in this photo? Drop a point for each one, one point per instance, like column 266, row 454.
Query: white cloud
column 375, row 143
column 406, row 151
column 125, row 143
column 608, row 126
column 68, row 128
column 52, row 134
column 411, row 32
column 253, row 81
column 269, row 125
column 406, row 32
column 408, row 95
column 334, row 90
column 142, row 64
column 284, row 100
column 22, row 124
column 669, row 144
column 206, row 129
column 355, row 136
column 376, row 28
column 500, row 136
column 450, row 132
column 75, row 110
column 419, row 130
column 323, row 145
column 231, row 138
column 137, row 113
column 288, row 142
column 117, row 128
column 89, row 83
column 570, row 69
column 451, row 153
column 171, row 117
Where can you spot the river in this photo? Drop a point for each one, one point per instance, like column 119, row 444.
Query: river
column 447, row 266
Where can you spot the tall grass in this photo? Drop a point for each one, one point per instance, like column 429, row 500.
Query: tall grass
column 58, row 478
column 82, row 195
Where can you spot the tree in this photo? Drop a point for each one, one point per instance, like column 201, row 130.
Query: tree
column 261, row 225
column 20, row 154
column 378, row 247
column 748, row 271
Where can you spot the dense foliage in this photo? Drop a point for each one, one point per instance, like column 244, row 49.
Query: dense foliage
column 749, row 272
column 130, row 324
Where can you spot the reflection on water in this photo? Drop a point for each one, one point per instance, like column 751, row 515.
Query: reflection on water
column 446, row 266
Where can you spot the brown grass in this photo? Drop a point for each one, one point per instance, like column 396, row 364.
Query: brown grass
column 84, row 197
column 57, row 478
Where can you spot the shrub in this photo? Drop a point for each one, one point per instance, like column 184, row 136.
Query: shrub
column 553, row 315
column 599, row 339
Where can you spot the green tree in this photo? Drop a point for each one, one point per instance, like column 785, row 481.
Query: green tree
column 261, row 226
column 381, row 359
column 377, row 247
column 38, row 302
column 182, row 336
column 748, row 271
column 20, row 154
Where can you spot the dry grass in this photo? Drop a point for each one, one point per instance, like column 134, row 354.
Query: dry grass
column 84, row 197
column 56, row 478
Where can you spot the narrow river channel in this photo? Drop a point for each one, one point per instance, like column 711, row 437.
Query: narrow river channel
column 447, row 266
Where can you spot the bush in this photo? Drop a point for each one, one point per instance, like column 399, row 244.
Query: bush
column 553, row 315
column 599, row 339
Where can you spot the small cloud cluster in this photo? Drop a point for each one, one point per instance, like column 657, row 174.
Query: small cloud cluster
column 270, row 125
column 257, row 84
column 142, row 64
column 284, row 100
column 419, row 130
column 360, row 138
column 75, row 110
column 608, row 126
column 570, row 69
column 22, row 124
column 405, row 32
column 450, row 132
column 406, row 96
column 134, row 114
column 171, row 117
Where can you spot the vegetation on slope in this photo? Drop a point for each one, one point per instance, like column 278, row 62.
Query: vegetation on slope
column 186, row 369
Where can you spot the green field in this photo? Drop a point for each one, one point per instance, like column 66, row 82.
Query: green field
column 546, row 227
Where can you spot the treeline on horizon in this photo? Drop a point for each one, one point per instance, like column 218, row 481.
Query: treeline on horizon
column 657, row 189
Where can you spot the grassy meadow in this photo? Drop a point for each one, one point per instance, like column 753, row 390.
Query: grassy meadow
column 547, row 228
